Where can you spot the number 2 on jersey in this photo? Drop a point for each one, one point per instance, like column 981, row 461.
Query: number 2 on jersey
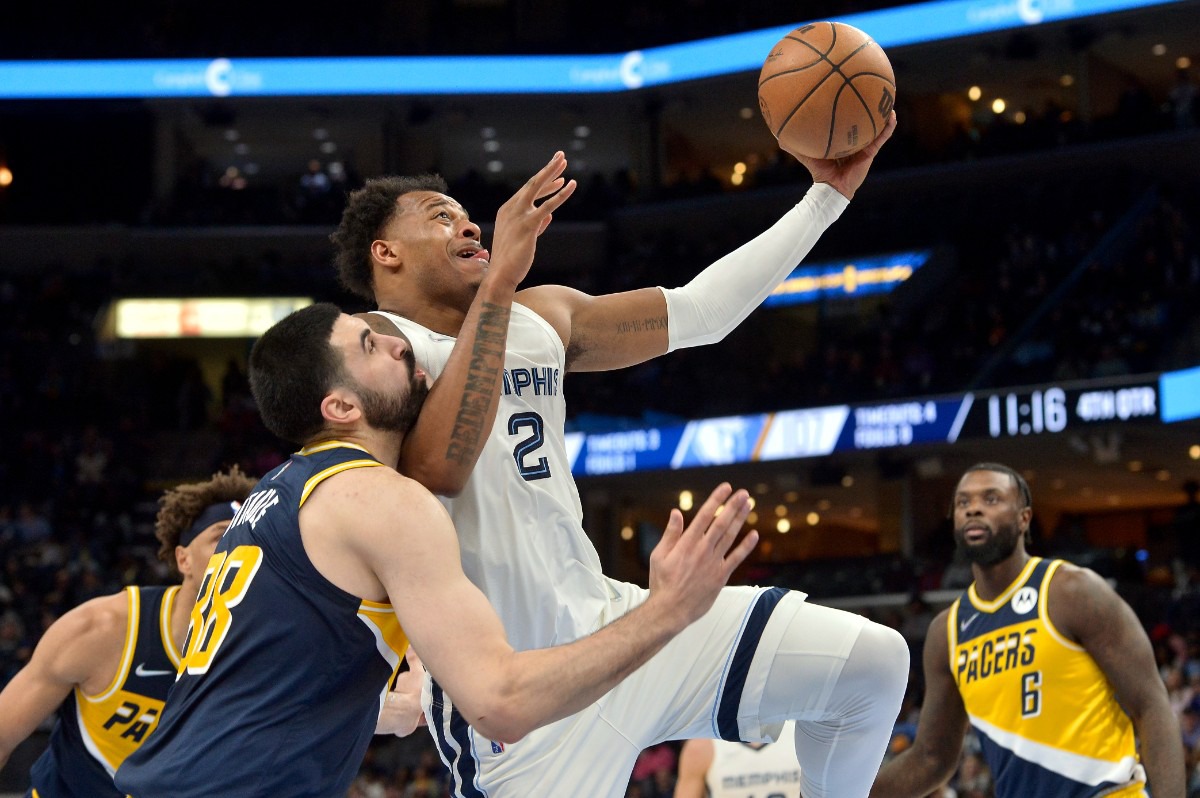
column 225, row 583
column 540, row 468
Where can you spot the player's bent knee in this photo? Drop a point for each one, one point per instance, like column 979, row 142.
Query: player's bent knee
column 880, row 655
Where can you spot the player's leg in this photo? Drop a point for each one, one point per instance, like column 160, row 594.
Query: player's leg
column 842, row 679
column 582, row 755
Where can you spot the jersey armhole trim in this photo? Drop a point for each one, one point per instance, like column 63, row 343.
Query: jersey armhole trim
column 321, row 476
column 131, row 626
column 1044, row 609
column 164, row 625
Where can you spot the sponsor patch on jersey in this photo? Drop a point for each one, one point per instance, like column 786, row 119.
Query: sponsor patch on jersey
column 1025, row 600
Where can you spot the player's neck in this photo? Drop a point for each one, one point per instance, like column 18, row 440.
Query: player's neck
column 181, row 612
column 383, row 445
column 433, row 315
column 992, row 580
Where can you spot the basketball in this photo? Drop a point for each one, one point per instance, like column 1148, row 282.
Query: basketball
column 826, row 90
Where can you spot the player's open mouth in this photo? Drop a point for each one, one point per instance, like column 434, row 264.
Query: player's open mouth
column 471, row 253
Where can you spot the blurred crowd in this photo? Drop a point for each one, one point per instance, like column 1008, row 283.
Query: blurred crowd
column 1068, row 282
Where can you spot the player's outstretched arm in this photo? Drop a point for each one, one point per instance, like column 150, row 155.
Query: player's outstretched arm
column 695, row 759
column 931, row 759
column 506, row 694
column 1085, row 608
column 441, row 450
column 614, row 331
column 79, row 648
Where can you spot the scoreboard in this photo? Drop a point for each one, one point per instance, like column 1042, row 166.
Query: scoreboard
column 1047, row 409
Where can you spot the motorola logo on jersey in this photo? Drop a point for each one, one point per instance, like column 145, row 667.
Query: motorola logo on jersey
column 1025, row 600
column 996, row 654
column 540, row 381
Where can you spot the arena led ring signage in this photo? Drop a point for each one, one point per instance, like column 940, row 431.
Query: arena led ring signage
column 537, row 74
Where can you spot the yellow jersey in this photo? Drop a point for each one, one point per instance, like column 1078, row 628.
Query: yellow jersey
column 1046, row 716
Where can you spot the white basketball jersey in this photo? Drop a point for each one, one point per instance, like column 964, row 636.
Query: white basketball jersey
column 739, row 770
column 519, row 518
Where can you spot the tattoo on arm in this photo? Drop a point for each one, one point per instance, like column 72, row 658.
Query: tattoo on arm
column 487, row 360
column 647, row 324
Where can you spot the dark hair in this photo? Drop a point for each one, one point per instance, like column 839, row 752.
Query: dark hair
column 179, row 507
column 1022, row 485
column 368, row 211
column 292, row 367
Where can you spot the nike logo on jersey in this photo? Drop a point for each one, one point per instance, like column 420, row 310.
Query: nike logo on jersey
column 962, row 627
column 140, row 670
column 437, row 339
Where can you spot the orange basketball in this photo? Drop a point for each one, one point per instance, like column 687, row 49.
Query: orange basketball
column 826, row 90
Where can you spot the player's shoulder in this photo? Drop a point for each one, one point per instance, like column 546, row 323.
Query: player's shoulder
column 554, row 304
column 1072, row 582
column 374, row 490
column 1081, row 602
column 87, row 634
column 100, row 616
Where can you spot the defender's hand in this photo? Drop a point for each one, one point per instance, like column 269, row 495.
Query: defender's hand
column 402, row 714
column 689, row 566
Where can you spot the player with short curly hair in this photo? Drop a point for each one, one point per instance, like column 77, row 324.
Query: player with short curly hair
column 181, row 507
column 107, row 664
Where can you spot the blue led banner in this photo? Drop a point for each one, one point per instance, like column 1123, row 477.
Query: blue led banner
column 274, row 77
column 1180, row 392
column 875, row 275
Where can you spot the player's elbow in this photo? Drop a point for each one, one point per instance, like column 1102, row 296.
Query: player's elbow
column 502, row 722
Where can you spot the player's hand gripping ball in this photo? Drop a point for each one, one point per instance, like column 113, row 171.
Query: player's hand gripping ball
column 826, row 90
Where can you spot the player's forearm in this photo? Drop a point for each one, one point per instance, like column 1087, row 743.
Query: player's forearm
column 911, row 775
column 542, row 686
column 444, row 445
column 1162, row 752
column 720, row 297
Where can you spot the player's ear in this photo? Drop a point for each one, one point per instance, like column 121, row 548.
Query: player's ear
column 385, row 254
column 341, row 406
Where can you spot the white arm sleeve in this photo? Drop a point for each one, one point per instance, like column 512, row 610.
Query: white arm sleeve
column 720, row 297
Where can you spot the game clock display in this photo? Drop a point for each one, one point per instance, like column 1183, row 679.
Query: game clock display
column 1050, row 409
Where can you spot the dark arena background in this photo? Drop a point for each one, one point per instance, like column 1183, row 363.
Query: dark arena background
column 1017, row 281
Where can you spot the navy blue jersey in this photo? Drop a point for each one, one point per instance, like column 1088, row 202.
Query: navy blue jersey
column 283, row 673
column 95, row 733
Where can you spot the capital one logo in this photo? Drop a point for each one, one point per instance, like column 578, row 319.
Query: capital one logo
column 1030, row 11
column 222, row 79
column 216, row 77
column 631, row 69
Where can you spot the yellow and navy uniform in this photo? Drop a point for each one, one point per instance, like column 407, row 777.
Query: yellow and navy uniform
column 283, row 673
column 1046, row 715
column 95, row 733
